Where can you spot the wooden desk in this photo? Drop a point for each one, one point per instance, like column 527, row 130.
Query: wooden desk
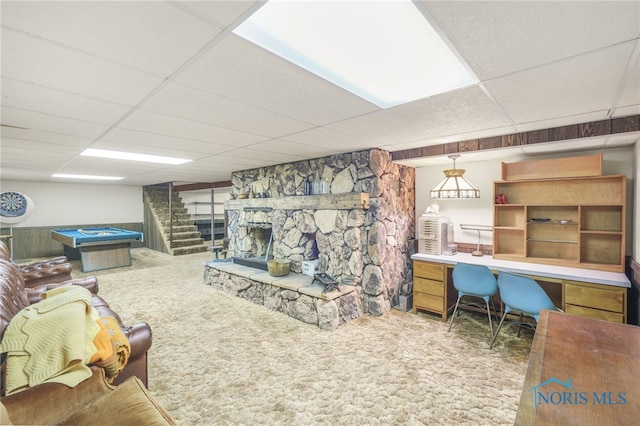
column 584, row 292
column 599, row 358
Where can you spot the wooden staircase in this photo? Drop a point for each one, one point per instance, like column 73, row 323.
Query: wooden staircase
column 184, row 238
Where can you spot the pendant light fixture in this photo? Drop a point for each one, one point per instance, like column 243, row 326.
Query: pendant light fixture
column 454, row 185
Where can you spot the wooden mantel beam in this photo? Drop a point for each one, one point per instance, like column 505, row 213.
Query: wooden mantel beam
column 348, row 201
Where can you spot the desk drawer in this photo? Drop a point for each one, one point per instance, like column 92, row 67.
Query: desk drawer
column 428, row 270
column 594, row 313
column 428, row 302
column 422, row 285
column 595, row 297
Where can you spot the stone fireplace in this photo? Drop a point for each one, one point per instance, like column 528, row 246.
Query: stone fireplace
column 358, row 230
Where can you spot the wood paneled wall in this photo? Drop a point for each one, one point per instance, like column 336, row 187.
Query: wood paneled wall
column 36, row 242
column 575, row 131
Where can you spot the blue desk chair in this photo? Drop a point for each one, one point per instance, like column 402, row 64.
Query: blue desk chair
column 524, row 295
column 474, row 281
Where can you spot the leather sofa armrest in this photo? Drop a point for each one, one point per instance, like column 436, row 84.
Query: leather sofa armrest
column 140, row 337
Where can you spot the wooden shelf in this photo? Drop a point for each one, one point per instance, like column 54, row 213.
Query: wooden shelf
column 554, row 241
column 590, row 165
column 594, row 208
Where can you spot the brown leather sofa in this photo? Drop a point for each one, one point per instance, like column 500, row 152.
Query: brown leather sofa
column 44, row 275
column 48, row 271
column 14, row 296
column 92, row 401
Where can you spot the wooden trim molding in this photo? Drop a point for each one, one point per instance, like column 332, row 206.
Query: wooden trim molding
column 201, row 185
column 612, row 126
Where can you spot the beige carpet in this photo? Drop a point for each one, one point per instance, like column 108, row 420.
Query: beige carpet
column 218, row 359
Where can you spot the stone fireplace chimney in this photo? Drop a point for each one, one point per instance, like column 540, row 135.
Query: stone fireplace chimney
column 359, row 231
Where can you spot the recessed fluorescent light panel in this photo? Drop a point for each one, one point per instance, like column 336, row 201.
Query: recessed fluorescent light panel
column 88, row 177
column 383, row 51
column 119, row 155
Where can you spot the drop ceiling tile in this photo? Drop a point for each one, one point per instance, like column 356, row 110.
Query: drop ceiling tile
column 237, row 162
column 461, row 111
column 270, row 157
column 573, row 86
column 192, row 104
column 50, row 123
column 40, row 99
column 153, row 142
column 152, row 36
column 562, row 121
column 381, row 127
column 32, row 60
column 630, row 96
column 222, row 12
column 331, row 139
column 60, row 140
column 238, row 69
column 41, row 147
column 302, row 150
column 624, row 111
column 181, row 128
column 23, row 156
column 19, row 172
column 498, row 38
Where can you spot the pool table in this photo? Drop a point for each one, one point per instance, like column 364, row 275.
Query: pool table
column 98, row 248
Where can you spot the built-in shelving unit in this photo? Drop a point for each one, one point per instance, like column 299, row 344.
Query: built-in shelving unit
column 576, row 222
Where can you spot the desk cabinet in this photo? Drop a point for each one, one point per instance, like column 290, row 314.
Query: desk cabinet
column 433, row 291
column 595, row 301
column 430, row 288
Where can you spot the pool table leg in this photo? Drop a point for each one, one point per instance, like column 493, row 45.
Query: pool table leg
column 95, row 258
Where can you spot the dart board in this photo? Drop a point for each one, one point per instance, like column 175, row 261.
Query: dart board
column 12, row 204
column 14, row 207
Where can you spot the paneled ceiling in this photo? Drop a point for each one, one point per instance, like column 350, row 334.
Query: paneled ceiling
column 170, row 78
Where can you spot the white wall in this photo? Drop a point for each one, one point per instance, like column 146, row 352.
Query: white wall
column 59, row 204
column 482, row 174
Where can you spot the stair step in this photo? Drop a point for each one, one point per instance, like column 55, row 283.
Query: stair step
column 177, row 229
column 187, row 242
column 179, row 251
column 178, row 209
column 163, row 197
column 186, row 235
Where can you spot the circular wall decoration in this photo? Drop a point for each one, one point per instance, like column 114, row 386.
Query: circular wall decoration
column 14, row 207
